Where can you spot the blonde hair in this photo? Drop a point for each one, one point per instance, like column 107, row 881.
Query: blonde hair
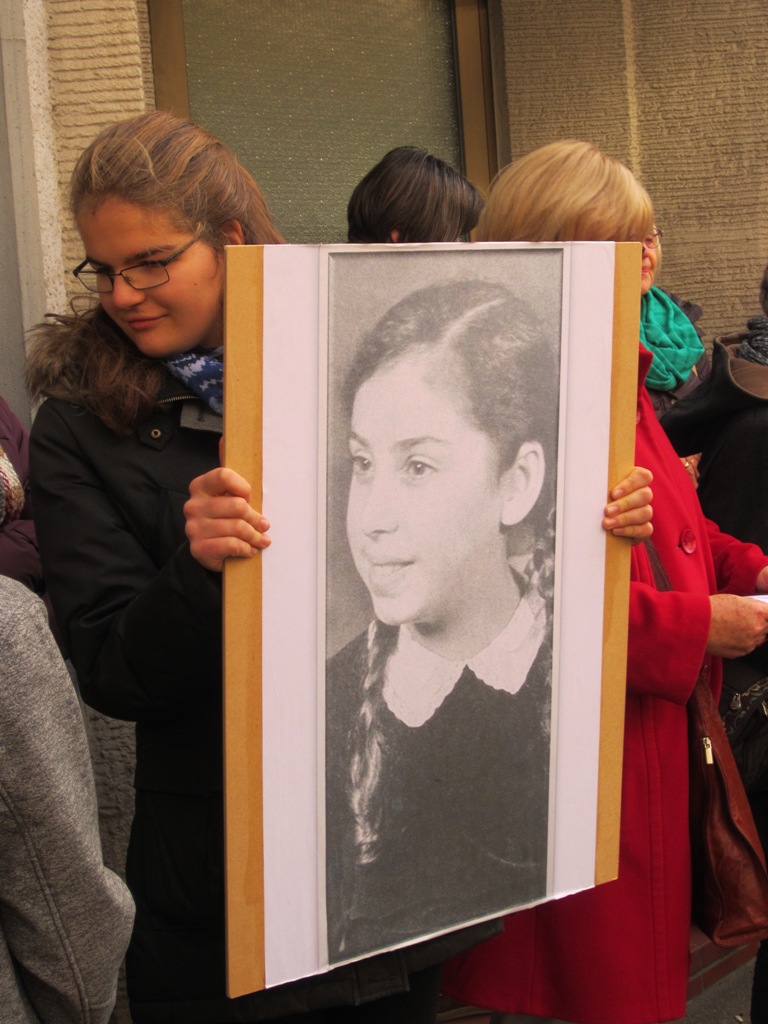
column 563, row 192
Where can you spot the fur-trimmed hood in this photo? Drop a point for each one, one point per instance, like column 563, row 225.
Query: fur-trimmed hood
column 56, row 361
column 86, row 360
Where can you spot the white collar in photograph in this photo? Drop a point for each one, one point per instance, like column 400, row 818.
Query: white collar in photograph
column 418, row 681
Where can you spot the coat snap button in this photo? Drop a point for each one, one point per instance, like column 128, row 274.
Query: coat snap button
column 688, row 541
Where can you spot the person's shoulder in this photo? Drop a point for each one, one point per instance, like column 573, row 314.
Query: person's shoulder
column 691, row 309
column 13, row 434
column 24, row 616
column 345, row 673
column 53, row 411
column 18, row 603
column 59, row 424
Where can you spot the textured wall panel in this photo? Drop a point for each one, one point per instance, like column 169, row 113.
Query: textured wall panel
column 565, row 69
column 677, row 89
column 310, row 95
column 702, row 81
column 145, row 49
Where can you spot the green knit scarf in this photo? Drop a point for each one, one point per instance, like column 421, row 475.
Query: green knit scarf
column 667, row 332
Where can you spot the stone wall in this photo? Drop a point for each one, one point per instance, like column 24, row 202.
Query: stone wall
column 677, row 90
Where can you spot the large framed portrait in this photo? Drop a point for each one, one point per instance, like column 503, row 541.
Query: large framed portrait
column 424, row 673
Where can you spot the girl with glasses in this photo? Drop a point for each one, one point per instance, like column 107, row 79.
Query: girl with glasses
column 133, row 413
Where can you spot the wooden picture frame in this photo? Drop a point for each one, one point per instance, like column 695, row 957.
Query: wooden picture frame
column 290, row 311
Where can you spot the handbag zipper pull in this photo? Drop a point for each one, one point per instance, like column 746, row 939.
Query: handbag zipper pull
column 708, row 750
column 736, row 702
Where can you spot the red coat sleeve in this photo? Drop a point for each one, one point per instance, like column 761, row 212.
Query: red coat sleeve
column 667, row 641
column 668, row 630
column 737, row 565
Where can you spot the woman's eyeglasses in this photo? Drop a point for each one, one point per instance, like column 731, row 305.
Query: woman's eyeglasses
column 143, row 276
column 653, row 241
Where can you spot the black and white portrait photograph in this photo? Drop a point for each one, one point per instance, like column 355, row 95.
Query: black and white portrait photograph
column 442, row 420
column 425, row 672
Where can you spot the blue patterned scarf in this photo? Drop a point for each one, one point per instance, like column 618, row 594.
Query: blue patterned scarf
column 202, row 371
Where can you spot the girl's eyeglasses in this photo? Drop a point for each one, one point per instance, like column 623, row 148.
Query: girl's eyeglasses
column 142, row 276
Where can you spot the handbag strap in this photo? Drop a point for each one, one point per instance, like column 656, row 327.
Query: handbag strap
column 659, row 572
column 662, row 582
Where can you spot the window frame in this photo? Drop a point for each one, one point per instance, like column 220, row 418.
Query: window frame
column 483, row 130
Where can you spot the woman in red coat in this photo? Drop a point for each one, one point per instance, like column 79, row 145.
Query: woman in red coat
column 618, row 954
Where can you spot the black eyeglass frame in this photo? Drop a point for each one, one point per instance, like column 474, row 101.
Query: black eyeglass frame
column 122, row 273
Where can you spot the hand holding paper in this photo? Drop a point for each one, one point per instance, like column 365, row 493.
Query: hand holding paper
column 738, row 625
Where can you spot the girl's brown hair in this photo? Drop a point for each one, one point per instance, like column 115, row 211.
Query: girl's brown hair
column 163, row 162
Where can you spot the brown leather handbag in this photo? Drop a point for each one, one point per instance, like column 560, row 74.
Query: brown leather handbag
column 730, row 882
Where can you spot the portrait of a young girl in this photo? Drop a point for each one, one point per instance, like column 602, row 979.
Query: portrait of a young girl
column 438, row 713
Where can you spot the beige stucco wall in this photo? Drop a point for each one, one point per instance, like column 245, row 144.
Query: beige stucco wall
column 676, row 89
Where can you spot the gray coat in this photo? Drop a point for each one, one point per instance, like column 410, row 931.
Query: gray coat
column 65, row 919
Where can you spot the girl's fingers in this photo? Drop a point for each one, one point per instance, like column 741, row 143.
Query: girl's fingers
column 220, row 522
column 620, row 515
column 239, row 529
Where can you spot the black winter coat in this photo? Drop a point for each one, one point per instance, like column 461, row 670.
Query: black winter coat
column 726, row 419
column 144, row 622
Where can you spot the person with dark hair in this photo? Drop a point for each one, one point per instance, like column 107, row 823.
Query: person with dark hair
column 438, row 715
column 412, row 196
column 458, row 358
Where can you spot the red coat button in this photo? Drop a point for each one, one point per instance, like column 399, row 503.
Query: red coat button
column 688, row 541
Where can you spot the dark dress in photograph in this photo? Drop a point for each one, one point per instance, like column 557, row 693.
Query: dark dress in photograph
column 464, row 808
